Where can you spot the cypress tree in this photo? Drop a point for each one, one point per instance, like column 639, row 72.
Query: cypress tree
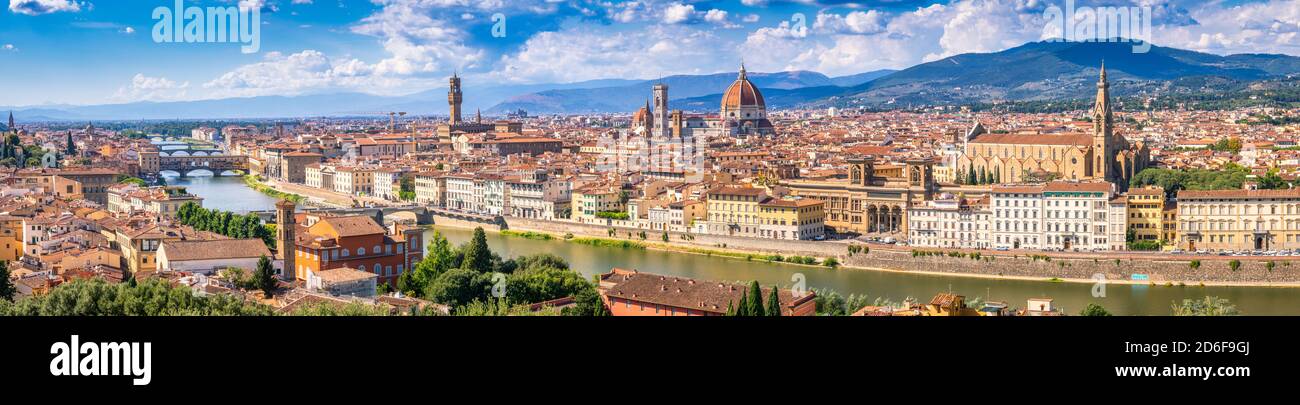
column 731, row 310
column 265, row 277
column 774, row 303
column 742, row 309
column 970, row 174
column 7, row 289
column 72, row 147
column 756, row 303
column 477, row 255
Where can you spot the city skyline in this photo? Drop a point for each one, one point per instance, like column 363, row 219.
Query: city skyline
column 397, row 47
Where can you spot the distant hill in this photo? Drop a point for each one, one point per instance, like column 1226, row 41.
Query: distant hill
column 432, row 101
column 1037, row 71
column 1055, row 70
column 630, row 97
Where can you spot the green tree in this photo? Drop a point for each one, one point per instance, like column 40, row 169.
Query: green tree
column 457, row 287
column 72, row 146
column 742, row 308
column 477, row 255
column 755, row 301
column 587, row 303
column 7, row 289
column 406, row 284
column 1273, row 181
column 540, row 284
column 265, row 277
column 1208, row 306
column 1094, row 310
column 151, row 297
column 439, row 257
column 1234, row 264
column 774, row 302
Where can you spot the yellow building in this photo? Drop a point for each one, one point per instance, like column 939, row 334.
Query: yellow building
column 733, row 211
column 11, row 238
column 801, row 219
column 1170, row 231
column 1145, row 213
column 1239, row 219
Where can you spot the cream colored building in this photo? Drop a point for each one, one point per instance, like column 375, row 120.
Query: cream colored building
column 1239, row 219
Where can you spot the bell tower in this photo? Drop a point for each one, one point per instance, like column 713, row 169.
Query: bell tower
column 1102, row 130
column 284, row 238
column 661, row 124
column 454, row 98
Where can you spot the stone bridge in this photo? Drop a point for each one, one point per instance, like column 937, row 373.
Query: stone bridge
column 214, row 164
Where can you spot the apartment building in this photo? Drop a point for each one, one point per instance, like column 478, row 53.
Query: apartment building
column 792, row 219
column 1239, row 219
column 536, row 194
column 1076, row 215
column 733, row 211
column 951, row 223
column 431, row 189
column 354, row 180
column 162, row 201
column 1145, row 210
column 460, row 192
column 1017, row 216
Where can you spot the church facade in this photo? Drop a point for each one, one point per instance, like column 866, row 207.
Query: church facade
column 1013, row 158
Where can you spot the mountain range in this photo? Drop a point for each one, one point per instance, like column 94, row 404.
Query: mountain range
column 1047, row 70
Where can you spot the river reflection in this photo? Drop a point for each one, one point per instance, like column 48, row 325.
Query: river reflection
column 1073, row 297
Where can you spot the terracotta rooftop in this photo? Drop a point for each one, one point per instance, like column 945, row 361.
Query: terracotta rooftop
column 1081, row 140
column 1291, row 193
column 216, row 249
column 354, row 225
column 684, row 292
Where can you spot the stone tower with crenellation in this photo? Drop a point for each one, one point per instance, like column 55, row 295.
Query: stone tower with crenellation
column 454, row 98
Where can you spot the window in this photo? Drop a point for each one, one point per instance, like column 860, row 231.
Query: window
column 361, row 251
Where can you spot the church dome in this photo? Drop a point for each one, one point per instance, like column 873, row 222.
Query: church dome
column 742, row 93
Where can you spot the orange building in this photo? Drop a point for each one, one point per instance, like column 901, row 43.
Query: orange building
column 357, row 242
column 632, row 293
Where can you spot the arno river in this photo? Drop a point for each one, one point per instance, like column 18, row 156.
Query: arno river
column 230, row 193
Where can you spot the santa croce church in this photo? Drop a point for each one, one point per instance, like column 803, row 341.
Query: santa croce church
column 1102, row 154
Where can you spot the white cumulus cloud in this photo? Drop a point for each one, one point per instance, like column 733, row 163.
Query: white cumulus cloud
column 38, row 7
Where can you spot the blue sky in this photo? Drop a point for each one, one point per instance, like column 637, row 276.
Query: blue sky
column 102, row 51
